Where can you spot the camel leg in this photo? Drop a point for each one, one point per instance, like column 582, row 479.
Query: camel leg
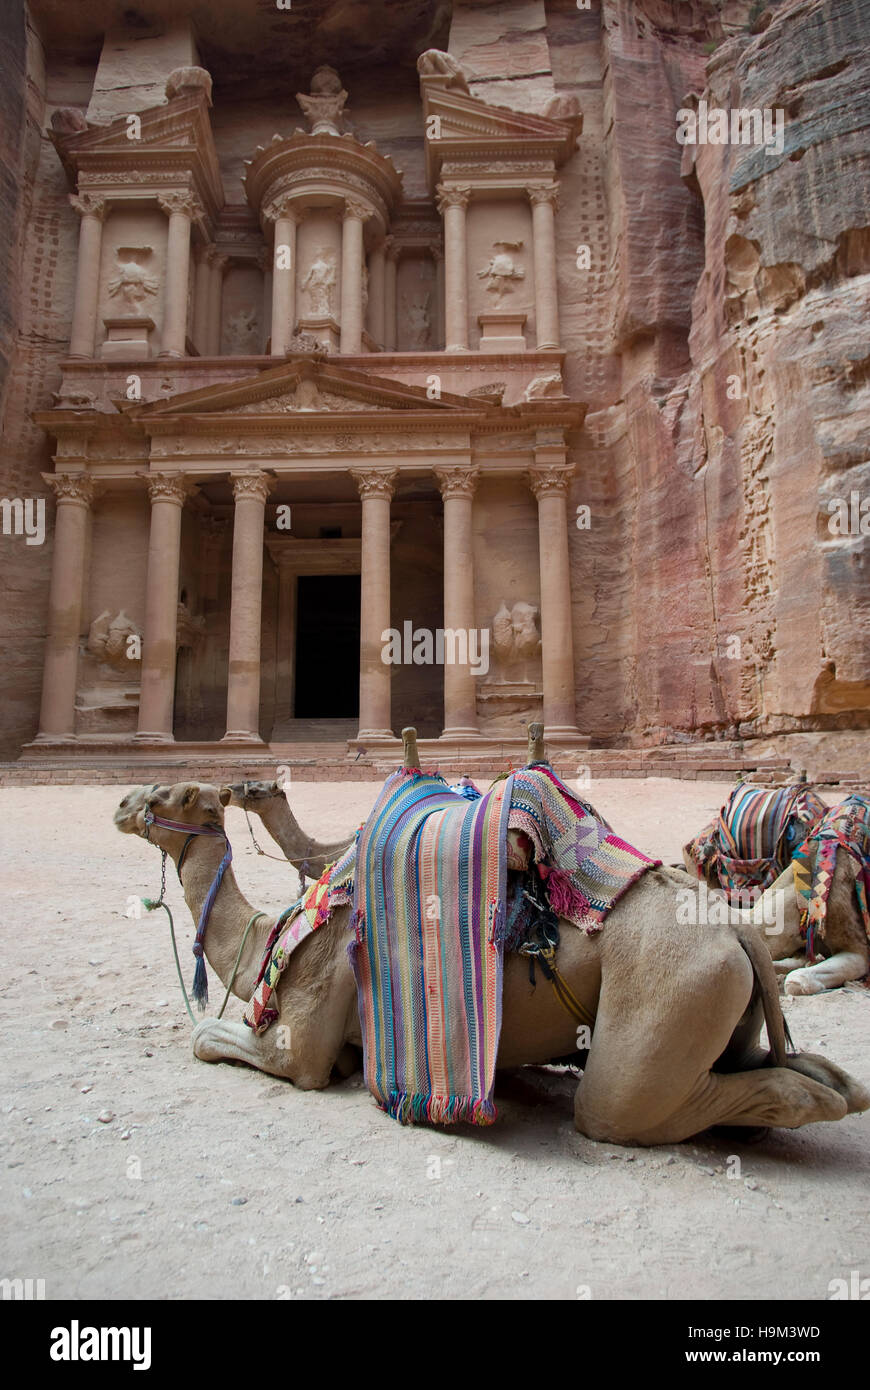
column 827, row 974
column 648, row 1079
column 789, row 963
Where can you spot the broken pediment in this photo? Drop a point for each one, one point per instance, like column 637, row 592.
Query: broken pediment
column 463, row 129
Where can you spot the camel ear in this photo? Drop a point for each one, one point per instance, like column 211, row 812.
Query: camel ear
column 190, row 796
column 226, row 795
column 274, row 787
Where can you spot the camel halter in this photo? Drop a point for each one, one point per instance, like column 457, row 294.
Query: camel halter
column 200, row 978
column 303, row 871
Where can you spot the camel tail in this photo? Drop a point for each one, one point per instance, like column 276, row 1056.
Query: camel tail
column 762, row 968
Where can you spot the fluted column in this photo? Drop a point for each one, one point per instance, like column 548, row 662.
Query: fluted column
column 250, row 491
column 201, row 289
column 391, row 272
column 452, row 203
column 167, row 492
column 543, row 200
column 355, row 215
column 286, row 219
column 550, row 486
column 74, row 492
column 181, row 209
column 377, row 290
column 217, row 267
column 92, row 211
column 460, row 691
column 375, row 489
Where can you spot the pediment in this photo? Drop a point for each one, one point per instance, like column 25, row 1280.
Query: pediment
column 307, row 389
column 461, row 126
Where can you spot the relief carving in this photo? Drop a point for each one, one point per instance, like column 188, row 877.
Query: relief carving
column 131, row 283
column 501, row 270
column 419, row 320
column 243, row 333
column 107, row 640
column 319, row 284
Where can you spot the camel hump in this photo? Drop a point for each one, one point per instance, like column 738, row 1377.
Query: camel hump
column 409, row 743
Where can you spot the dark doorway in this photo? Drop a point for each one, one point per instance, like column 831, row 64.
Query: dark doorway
column 327, row 647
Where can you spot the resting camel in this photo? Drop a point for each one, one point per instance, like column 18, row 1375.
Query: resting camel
column 844, row 944
column 270, row 803
column 678, row 1009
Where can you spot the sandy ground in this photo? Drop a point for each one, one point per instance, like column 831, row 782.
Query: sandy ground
column 219, row 1181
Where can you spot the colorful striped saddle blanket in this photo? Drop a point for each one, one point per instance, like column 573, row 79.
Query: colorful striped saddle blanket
column 846, row 826
column 754, row 836
column 430, row 927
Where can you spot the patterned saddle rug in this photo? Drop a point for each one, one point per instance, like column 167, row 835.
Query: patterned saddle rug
column 753, row 838
column 427, row 876
column 844, row 827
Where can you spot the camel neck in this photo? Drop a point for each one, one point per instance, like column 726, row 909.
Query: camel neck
column 230, row 914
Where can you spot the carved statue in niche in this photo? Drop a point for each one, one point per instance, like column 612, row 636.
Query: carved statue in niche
column 188, row 629
column 243, row 333
column 515, row 636
column 419, row 319
column 364, row 286
column 319, row 283
column 108, row 641
column 501, row 270
column 132, row 284
column 324, row 106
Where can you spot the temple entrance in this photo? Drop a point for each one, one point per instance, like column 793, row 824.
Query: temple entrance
column 327, row 647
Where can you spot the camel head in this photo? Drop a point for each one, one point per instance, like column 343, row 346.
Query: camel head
column 186, row 803
column 250, row 796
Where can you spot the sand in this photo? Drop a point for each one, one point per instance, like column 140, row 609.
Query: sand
column 131, row 1170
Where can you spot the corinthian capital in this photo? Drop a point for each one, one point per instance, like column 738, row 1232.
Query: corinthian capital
column 549, row 480
column 72, row 487
column 180, row 201
column 353, row 207
column 254, row 483
column 169, row 487
column 283, row 207
column 374, row 482
column 454, row 195
column 544, row 193
column 88, row 205
column 456, row 482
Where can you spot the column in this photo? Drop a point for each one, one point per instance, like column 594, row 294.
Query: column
column 74, row 492
column 264, row 261
column 543, row 201
column 250, row 491
column 355, row 214
column 181, row 209
column 460, row 690
column 286, row 220
column 92, row 211
column 437, row 253
column 375, row 489
column 377, row 290
column 217, row 267
column 390, row 299
column 550, row 485
column 452, row 202
column 201, row 290
column 167, row 492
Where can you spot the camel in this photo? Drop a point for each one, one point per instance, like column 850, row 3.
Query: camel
column 677, row 1009
column 844, row 946
column 270, row 803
